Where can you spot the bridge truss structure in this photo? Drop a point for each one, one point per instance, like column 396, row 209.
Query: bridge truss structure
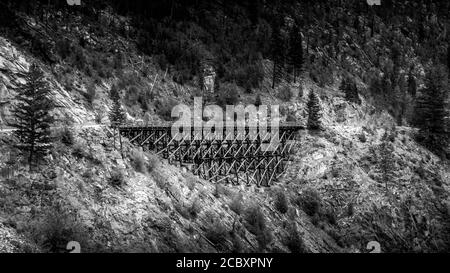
column 241, row 160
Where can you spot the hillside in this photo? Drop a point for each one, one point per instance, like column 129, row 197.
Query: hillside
column 333, row 197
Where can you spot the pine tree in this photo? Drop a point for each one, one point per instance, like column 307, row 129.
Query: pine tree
column 117, row 115
column 296, row 51
column 32, row 118
column 278, row 55
column 430, row 111
column 314, row 112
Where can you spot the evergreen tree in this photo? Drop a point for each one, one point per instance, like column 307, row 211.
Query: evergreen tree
column 314, row 112
column 32, row 117
column 117, row 115
column 430, row 111
column 278, row 55
column 296, row 51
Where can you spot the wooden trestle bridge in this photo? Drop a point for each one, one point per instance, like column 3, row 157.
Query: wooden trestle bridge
column 232, row 161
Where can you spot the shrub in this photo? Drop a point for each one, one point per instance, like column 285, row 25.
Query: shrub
column 90, row 93
column 190, row 182
column 79, row 151
column 98, row 117
column 118, row 60
column 285, row 93
column 132, row 95
column 152, row 163
column 330, row 216
column 117, row 179
column 294, row 241
column 79, row 59
column 264, row 237
column 138, row 161
column 194, row 209
column 281, row 202
column 228, row 95
column 237, row 246
column 66, row 137
column 182, row 210
column 256, row 224
column 220, row 189
column 255, row 219
column 160, row 181
column 237, row 205
column 362, row 137
column 63, row 48
column 217, row 234
column 164, row 108
column 56, row 229
column 310, row 202
column 291, row 117
column 351, row 209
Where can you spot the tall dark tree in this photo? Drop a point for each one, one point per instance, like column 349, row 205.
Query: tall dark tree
column 32, row 116
column 117, row 115
column 296, row 51
column 430, row 110
column 314, row 112
column 278, row 54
